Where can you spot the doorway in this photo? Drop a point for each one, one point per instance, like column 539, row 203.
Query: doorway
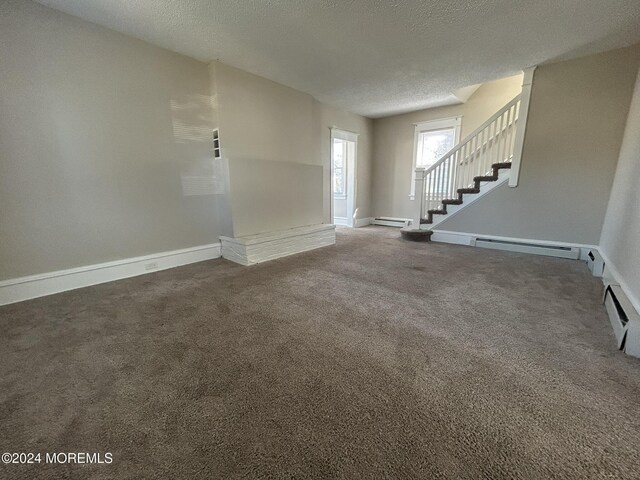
column 344, row 152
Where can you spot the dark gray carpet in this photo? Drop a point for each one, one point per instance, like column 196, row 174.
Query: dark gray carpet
column 376, row 358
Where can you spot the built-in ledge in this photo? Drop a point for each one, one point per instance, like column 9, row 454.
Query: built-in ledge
column 252, row 249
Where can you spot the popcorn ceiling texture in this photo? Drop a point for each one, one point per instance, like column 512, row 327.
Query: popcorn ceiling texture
column 375, row 58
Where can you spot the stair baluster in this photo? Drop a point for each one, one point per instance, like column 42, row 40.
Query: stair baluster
column 478, row 158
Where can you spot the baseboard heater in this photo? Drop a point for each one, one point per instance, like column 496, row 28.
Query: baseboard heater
column 624, row 319
column 595, row 262
column 532, row 248
column 391, row 222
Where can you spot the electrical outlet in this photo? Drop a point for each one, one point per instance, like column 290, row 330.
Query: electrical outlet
column 151, row 266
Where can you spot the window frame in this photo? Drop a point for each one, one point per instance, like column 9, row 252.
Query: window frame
column 430, row 126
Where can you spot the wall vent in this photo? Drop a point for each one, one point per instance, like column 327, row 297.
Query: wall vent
column 624, row 319
column 532, row 248
column 217, row 151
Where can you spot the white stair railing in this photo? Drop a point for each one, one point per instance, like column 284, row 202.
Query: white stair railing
column 492, row 142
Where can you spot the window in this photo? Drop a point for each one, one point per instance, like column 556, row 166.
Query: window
column 339, row 168
column 433, row 144
column 432, row 140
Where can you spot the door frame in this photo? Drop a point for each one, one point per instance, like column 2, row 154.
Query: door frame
column 351, row 180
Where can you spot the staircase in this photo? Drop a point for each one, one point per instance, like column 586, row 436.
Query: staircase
column 475, row 189
column 475, row 166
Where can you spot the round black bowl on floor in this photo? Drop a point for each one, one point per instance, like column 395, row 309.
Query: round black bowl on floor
column 416, row 235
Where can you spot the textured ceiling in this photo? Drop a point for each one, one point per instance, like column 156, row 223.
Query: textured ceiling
column 373, row 57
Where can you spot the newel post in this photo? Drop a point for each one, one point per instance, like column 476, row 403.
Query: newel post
column 521, row 129
column 418, row 211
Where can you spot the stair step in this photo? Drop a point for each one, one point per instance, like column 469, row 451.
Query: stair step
column 437, row 212
column 501, row 165
column 424, row 221
column 452, row 201
column 468, row 190
column 485, row 178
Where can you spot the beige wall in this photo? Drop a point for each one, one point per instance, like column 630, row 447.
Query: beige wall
column 266, row 135
column 263, row 121
column 393, row 139
column 105, row 148
column 269, row 196
column 97, row 132
column 620, row 240
column 576, row 122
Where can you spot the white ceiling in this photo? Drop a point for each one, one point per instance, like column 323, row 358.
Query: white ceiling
column 373, row 57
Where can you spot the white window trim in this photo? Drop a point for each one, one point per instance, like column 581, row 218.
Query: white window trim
column 428, row 126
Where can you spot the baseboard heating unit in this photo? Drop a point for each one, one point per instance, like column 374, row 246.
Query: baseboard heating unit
column 624, row 319
column 532, row 248
column 595, row 262
column 391, row 222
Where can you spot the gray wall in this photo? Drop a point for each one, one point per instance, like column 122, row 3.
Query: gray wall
column 97, row 132
column 394, row 137
column 620, row 241
column 576, row 123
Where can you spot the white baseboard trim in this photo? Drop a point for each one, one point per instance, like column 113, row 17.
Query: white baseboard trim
column 362, row 222
column 33, row 286
column 536, row 246
column 612, row 276
column 263, row 247
column 342, row 221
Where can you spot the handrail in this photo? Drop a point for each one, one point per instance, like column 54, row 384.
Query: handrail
column 467, row 164
column 473, row 134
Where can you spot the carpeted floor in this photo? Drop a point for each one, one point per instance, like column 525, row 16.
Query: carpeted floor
column 376, row 358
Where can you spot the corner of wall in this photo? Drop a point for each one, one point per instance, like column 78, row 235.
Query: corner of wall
column 620, row 234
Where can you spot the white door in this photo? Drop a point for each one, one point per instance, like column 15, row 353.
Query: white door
column 344, row 149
